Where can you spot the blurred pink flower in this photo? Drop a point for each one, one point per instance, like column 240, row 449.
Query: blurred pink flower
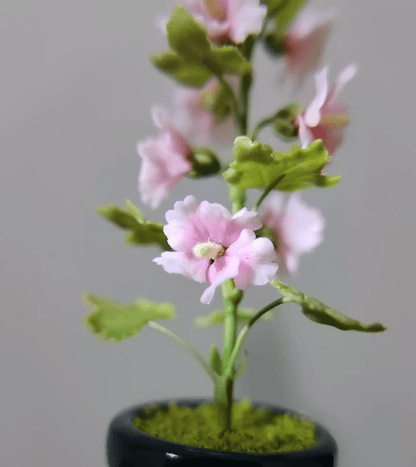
column 213, row 246
column 225, row 19
column 326, row 118
column 196, row 120
column 305, row 43
column 165, row 160
column 298, row 228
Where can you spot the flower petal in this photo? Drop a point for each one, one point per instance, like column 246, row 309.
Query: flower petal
column 346, row 75
column 305, row 135
column 245, row 17
column 313, row 112
column 219, row 271
column 256, row 259
column 182, row 263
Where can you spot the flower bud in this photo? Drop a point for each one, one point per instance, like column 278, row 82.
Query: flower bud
column 204, row 163
column 285, row 124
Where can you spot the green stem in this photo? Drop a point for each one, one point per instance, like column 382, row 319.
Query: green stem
column 262, row 124
column 223, row 393
column 189, row 347
column 238, row 198
column 268, row 189
column 234, row 101
column 225, row 387
column 228, row 368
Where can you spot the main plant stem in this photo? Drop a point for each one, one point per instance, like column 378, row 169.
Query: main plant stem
column 224, row 389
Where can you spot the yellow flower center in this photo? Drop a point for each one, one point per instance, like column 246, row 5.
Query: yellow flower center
column 215, row 9
column 211, row 250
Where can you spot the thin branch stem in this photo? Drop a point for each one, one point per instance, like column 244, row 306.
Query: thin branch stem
column 267, row 191
column 262, row 124
column 242, row 336
column 188, row 347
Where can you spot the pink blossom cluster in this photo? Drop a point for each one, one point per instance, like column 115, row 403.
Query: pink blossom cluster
column 210, row 244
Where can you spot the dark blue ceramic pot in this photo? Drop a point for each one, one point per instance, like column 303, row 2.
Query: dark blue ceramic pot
column 129, row 447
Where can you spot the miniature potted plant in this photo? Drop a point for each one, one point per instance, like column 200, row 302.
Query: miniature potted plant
column 212, row 43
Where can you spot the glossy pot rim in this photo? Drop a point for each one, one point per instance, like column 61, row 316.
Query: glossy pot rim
column 123, row 422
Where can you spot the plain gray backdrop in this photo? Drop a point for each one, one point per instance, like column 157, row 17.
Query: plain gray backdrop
column 76, row 91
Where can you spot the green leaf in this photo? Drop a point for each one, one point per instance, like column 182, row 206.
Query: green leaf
column 230, row 60
column 323, row 314
column 141, row 232
column 189, row 74
column 186, row 35
column 217, row 317
column 215, row 359
column 257, row 166
column 113, row 321
column 194, row 54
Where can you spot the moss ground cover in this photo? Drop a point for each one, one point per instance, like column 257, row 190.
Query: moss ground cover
column 255, row 431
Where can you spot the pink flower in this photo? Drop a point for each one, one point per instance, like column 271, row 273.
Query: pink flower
column 326, row 118
column 165, row 160
column 213, row 246
column 197, row 120
column 305, row 43
column 298, row 228
column 226, row 19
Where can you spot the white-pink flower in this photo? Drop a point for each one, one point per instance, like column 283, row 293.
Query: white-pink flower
column 297, row 226
column 226, row 20
column 326, row 117
column 305, row 43
column 165, row 160
column 212, row 245
column 195, row 118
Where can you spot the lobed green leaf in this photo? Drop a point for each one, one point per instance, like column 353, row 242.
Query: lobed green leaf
column 257, row 166
column 113, row 321
column 323, row 314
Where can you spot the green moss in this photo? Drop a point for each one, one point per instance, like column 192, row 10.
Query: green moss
column 256, row 431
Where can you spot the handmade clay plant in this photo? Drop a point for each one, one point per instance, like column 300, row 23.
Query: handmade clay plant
column 212, row 45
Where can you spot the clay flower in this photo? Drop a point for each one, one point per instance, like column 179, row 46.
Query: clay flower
column 225, row 20
column 326, row 118
column 165, row 160
column 298, row 228
column 305, row 43
column 211, row 245
column 195, row 117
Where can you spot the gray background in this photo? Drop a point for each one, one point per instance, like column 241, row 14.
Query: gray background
column 76, row 90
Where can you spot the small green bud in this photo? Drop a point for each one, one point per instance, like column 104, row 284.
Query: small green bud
column 204, row 163
column 285, row 123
